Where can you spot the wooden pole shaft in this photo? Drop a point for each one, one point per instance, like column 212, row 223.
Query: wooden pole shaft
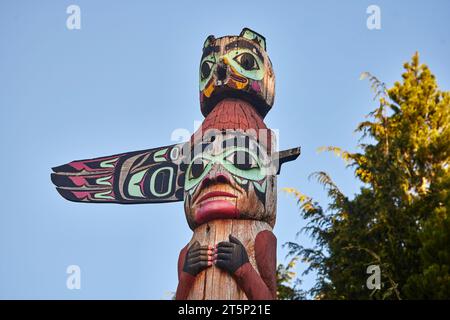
column 214, row 283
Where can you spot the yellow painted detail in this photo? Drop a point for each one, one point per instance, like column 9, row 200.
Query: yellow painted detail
column 209, row 90
column 239, row 85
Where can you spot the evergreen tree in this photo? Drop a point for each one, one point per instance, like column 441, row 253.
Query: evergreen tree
column 288, row 287
column 399, row 219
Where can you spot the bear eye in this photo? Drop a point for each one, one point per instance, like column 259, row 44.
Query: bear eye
column 247, row 61
column 197, row 168
column 242, row 160
column 205, row 69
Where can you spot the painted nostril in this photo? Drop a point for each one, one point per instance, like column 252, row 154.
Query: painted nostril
column 222, row 178
column 219, row 178
column 206, row 181
column 221, row 72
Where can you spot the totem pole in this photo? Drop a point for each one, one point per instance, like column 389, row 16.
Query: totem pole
column 226, row 175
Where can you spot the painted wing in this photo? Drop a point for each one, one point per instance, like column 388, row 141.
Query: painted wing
column 146, row 176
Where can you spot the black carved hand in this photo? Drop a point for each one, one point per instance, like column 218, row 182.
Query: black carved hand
column 198, row 258
column 231, row 255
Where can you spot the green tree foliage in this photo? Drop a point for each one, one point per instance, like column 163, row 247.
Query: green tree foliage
column 288, row 287
column 399, row 219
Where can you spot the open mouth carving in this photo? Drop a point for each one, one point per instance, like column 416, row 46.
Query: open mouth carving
column 214, row 194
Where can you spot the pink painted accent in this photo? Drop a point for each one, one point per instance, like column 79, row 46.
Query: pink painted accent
column 79, row 181
column 255, row 86
column 216, row 209
column 79, row 165
column 141, row 184
column 81, row 194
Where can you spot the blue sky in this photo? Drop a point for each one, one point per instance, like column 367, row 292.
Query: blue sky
column 129, row 77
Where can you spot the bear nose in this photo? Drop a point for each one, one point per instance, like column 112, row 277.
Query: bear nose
column 217, row 178
column 221, row 72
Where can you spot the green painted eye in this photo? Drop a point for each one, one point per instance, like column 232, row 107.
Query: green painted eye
column 242, row 160
column 238, row 161
column 243, row 163
column 205, row 69
column 197, row 168
column 196, row 171
column 247, row 61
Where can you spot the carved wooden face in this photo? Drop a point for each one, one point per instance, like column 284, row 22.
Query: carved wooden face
column 236, row 66
column 231, row 177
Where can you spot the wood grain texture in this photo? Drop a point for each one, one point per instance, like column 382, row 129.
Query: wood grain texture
column 236, row 114
column 213, row 283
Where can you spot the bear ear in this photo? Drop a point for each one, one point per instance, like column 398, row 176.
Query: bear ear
column 253, row 36
column 208, row 41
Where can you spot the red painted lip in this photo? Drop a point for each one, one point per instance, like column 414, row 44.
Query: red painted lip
column 216, row 194
column 217, row 209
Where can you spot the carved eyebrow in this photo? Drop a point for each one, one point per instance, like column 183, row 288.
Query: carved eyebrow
column 244, row 44
column 208, row 50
